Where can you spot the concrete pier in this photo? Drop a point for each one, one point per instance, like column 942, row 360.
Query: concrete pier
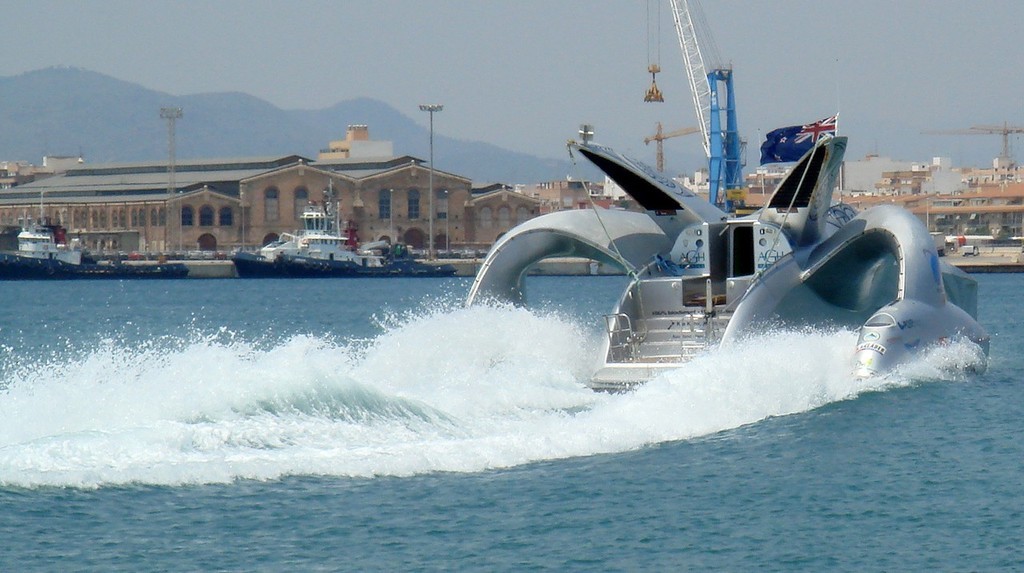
column 989, row 260
column 223, row 269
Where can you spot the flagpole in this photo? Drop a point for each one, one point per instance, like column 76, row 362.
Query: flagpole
column 842, row 166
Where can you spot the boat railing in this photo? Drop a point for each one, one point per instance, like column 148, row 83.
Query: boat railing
column 670, row 338
column 623, row 341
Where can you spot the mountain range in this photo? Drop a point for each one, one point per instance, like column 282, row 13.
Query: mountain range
column 70, row 111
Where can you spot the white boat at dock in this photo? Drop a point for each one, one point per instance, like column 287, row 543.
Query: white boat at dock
column 319, row 251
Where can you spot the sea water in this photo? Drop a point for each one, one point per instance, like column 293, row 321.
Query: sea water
column 378, row 425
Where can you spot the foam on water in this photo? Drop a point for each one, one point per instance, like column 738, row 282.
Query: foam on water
column 450, row 390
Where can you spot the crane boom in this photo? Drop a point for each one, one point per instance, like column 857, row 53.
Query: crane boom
column 697, row 75
column 660, row 136
column 722, row 143
column 1004, row 130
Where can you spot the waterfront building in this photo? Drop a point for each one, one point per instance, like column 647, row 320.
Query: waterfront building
column 995, row 209
column 560, row 195
column 224, row 204
column 496, row 208
column 380, row 198
column 357, row 144
column 129, row 206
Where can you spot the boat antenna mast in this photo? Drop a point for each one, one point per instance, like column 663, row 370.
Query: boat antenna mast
column 330, row 208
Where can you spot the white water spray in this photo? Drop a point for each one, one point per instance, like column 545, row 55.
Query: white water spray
column 465, row 390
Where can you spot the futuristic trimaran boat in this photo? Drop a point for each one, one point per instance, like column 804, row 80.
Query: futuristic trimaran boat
column 701, row 278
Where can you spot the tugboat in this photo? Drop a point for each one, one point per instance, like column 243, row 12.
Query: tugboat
column 43, row 253
column 317, row 251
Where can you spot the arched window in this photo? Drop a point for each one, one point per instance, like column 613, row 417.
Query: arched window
column 187, row 216
column 414, row 204
column 504, row 217
column 522, row 215
column 206, row 216
column 163, row 216
column 227, row 217
column 153, row 221
column 441, row 203
column 270, row 204
column 135, row 217
column 384, row 204
column 301, row 200
column 103, row 219
column 485, row 218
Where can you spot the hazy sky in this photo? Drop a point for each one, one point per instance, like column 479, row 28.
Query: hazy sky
column 523, row 74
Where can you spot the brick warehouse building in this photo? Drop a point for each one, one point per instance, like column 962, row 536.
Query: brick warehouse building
column 224, row 204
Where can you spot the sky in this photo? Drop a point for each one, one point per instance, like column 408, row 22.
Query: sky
column 524, row 74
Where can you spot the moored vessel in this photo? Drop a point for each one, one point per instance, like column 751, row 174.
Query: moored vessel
column 44, row 253
column 318, row 251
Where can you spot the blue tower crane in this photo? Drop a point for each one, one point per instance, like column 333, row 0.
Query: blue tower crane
column 723, row 146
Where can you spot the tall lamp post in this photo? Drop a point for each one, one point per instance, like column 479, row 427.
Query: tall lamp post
column 241, row 208
column 431, row 108
column 447, row 215
column 391, row 217
column 172, row 115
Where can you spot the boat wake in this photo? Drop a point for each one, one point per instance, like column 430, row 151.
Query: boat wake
column 460, row 390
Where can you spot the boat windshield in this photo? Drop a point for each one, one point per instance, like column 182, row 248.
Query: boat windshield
column 315, row 220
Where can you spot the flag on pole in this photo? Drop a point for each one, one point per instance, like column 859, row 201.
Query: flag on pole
column 790, row 143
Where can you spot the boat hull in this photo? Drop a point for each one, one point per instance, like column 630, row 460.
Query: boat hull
column 14, row 267
column 292, row 266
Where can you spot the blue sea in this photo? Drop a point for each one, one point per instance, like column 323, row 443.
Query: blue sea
column 378, row 425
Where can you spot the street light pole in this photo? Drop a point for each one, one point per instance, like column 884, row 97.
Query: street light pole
column 391, row 217
column 172, row 115
column 447, row 216
column 241, row 208
column 431, row 108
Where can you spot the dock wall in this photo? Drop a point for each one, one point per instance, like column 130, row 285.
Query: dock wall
column 988, row 262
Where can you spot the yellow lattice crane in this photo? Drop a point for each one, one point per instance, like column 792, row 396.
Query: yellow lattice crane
column 660, row 136
column 1005, row 130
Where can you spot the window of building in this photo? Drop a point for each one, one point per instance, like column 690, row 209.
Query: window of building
column 187, row 216
column 522, row 214
column 270, row 205
column 441, row 203
column 301, row 200
column 485, row 218
column 414, row 204
column 504, row 217
column 227, row 217
column 206, row 216
column 384, row 204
